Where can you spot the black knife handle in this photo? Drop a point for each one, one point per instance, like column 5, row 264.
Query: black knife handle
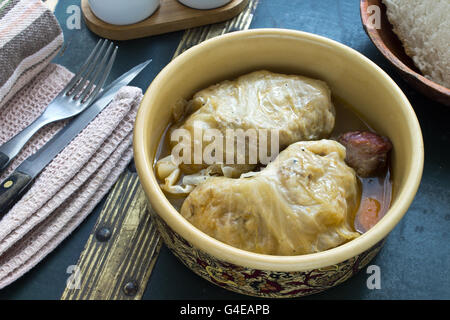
column 4, row 161
column 12, row 189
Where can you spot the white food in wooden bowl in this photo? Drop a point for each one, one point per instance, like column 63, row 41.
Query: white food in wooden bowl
column 423, row 26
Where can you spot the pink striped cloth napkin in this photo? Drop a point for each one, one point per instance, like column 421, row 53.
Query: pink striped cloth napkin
column 73, row 183
column 30, row 37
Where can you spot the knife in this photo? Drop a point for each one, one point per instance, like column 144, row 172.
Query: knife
column 13, row 188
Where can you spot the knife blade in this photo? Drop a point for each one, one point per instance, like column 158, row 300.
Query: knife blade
column 13, row 187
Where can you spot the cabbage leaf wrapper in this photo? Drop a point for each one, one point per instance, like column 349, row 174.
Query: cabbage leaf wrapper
column 303, row 202
column 297, row 108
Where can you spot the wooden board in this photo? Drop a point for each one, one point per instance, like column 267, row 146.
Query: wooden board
column 171, row 16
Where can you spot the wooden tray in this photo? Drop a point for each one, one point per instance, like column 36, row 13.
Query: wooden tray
column 171, row 16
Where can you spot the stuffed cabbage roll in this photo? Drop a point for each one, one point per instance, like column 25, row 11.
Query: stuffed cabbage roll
column 297, row 108
column 302, row 202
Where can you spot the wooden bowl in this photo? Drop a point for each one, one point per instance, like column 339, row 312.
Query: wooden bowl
column 390, row 46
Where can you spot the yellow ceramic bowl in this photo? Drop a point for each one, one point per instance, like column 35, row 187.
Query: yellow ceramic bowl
column 352, row 77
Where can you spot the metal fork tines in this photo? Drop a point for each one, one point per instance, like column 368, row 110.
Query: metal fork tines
column 79, row 93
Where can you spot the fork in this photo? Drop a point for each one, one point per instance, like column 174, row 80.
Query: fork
column 79, row 93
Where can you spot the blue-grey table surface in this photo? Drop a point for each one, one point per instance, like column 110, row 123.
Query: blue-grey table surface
column 415, row 261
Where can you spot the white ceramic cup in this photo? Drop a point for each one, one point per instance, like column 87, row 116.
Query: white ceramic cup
column 204, row 4
column 123, row 12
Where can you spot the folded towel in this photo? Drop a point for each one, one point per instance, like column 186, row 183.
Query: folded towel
column 30, row 37
column 73, row 183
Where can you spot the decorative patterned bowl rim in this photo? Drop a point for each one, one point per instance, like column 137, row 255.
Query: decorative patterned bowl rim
column 215, row 248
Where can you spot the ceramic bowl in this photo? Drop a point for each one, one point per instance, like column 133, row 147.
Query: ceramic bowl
column 391, row 47
column 352, row 77
column 204, row 4
column 120, row 12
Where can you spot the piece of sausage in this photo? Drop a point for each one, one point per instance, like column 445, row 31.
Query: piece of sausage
column 366, row 152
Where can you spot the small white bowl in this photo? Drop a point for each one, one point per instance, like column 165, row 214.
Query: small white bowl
column 120, row 12
column 204, row 4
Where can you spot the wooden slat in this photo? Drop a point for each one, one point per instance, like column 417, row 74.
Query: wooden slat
column 106, row 267
column 123, row 264
column 195, row 36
